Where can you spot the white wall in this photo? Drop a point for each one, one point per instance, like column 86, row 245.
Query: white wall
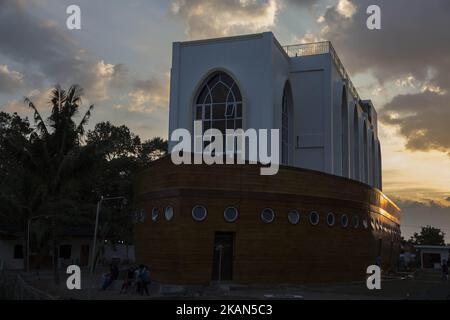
column 121, row 252
column 261, row 68
column 247, row 59
column 75, row 254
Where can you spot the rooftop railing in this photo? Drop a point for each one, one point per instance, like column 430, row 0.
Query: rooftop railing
column 323, row 47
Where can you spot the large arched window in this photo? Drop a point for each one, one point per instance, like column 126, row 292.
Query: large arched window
column 344, row 133
column 380, row 180
column 356, row 143
column 285, row 123
column 219, row 103
column 372, row 160
column 365, row 174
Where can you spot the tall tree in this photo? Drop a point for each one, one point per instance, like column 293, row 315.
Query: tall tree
column 429, row 236
column 57, row 169
column 49, row 159
column 151, row 150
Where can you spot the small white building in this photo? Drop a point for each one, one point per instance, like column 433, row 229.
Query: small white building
column 74, row 248
column 11, row 250
column 251, row 81
column 432, row 257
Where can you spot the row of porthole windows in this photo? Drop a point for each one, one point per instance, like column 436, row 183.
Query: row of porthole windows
column 231, row 214
column 378, row 225
column 314, row 219
column 139, row 216
column 199, row 213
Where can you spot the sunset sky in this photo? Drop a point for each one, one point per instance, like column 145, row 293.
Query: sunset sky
column 122, row 57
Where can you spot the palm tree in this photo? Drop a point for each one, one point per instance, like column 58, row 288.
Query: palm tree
column 51, row 157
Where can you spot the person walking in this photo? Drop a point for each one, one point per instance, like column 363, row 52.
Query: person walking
column 143, row 279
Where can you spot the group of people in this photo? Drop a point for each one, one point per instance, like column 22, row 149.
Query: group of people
column 135, row 277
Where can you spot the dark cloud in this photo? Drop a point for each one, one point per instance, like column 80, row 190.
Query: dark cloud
column 48, row 51
column 420, row 118
column 10, row 80
column 414, row 37
column 413, row 42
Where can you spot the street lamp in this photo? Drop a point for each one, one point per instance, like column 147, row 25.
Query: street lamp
column 220, row 249
column 28, row 237
column 99, row 205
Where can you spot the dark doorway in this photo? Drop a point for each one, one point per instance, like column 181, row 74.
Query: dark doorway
column 84, row 255
column 380, row 247
column 391, row 248
column 430, row 259
column 223, row 256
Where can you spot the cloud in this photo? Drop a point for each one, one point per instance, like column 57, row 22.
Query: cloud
column 147, row 95
column 49, row 55
column 420, row 118
column 302, row 3
column 47, row 52
column 107, row 75
column 410, row 51
column 39, row 97
column 346, row 8
column 213, row 18
column 406, row 44
column 10, row 80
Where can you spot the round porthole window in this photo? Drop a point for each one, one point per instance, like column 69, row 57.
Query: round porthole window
column 199, row 213
column 155, row 214
column 344, row 221
column 230, row 214
column 293, row 217
column 355, row 222
column 331, row 219
column 168, row 213
column 267, row 215
column 314, row 218
column 365, row 224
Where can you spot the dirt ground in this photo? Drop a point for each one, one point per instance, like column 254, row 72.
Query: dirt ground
column 423, row 285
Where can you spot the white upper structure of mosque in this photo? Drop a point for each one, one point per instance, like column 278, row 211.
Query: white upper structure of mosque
column 251, row 81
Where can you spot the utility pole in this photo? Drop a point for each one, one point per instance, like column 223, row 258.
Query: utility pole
column 94, row 242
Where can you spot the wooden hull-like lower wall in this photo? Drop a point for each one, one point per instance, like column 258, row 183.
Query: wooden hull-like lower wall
column 181, row 250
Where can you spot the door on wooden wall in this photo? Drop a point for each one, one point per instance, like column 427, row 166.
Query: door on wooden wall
column 223, row 256
column 84, row 255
